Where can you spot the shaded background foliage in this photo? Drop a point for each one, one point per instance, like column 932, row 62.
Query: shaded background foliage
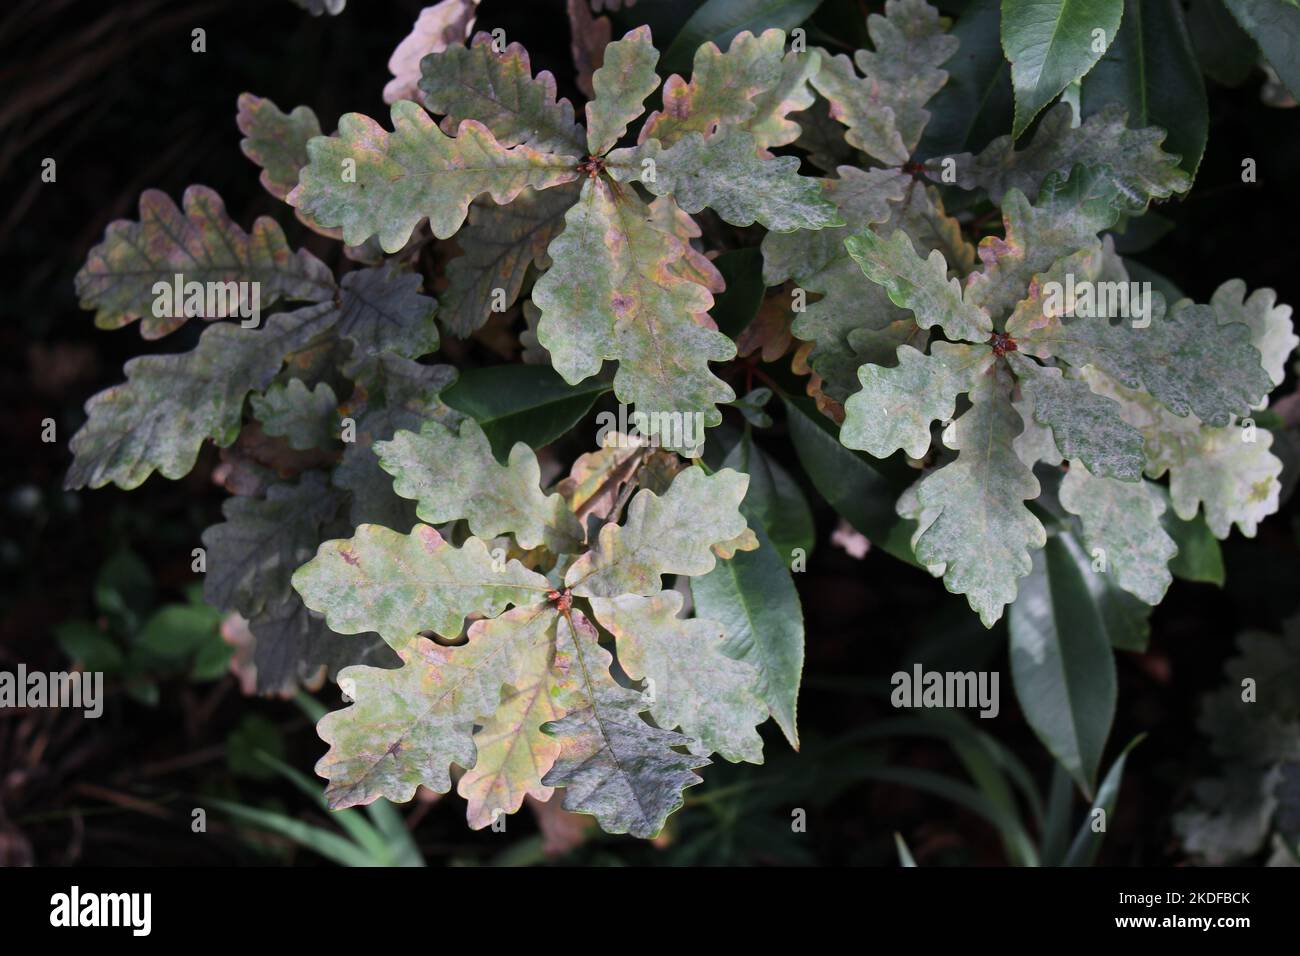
column 116, row 96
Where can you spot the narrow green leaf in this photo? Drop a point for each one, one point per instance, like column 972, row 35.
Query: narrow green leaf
column 624, row 80
column 1062, row 665
column 1051, row 43
column 754, row 599
column 1087, row 842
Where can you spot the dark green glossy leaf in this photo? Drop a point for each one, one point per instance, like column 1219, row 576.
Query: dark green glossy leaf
column 754, row 599
column 736, row 307
column 854, row 485
column 1051, row 43
column 527, row 403
column 1150, row 70
column 719, row 21
column 975, row 105
column 773, row 499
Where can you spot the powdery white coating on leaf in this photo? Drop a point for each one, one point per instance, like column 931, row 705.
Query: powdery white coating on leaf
column 401, row 584
column 1235, row 480
column 500, row 244
column 920, row 285
column 861, row 196
column 672, row 534
column 1185, row 358
column 408, row 725
column 612, row 764
column 1084, row 425
column 416, row 171
column 499, row 91
column 897, row 405
column 976, row 526
column 696, row 688
column 201, row 243
column 1131, row 157
column 753, row 86
column 170, row 404
column 883, row 109
column 725, row 173
column 1271, row 331
column 1122, row 518
column 437, row 27
column 1066, row 217
column 275, row 141
column 621, row 85
column 453, row 476
column 614, row 291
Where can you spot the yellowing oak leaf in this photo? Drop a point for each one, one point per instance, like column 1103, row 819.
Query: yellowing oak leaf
column 692, row 683
column 672, row 534
column 530, row 701
column 401, row 584
column 453, row 476
column 613, row 292
column 374, row 183
column 612, row 764
column 754, row 86
column 193, row 261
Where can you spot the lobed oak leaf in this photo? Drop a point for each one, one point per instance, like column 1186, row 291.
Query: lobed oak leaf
column 374, row 183
column 201, row 244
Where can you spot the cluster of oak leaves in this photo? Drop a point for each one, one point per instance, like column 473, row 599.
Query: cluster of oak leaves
column 537, row 645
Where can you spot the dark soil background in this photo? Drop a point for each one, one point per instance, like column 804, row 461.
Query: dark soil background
column 115, row 95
